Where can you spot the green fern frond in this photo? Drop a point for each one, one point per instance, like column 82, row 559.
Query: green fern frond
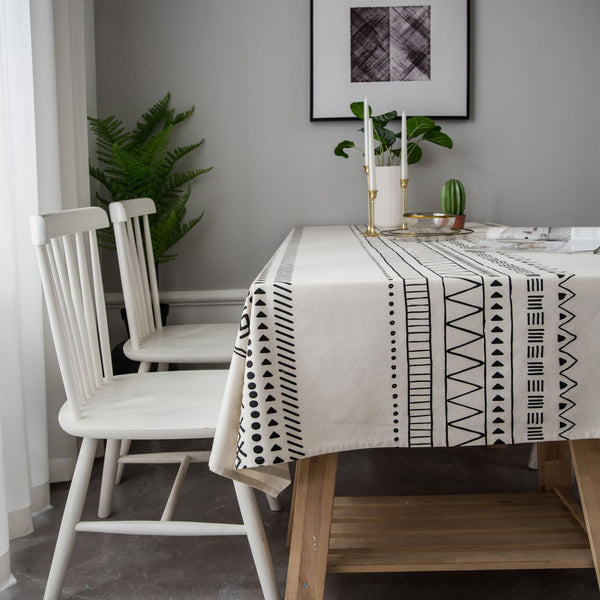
column 129, row 174
column 176, row 155
column 109, row 131
column 139, row 163
column 182, row 116
column 151, row 119
column 176, row 180
column 154, row 151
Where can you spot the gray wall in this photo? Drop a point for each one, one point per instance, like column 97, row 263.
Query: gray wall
column 529, row 155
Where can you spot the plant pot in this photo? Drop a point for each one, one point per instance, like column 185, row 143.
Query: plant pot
column 459, row 222
column 388, row 204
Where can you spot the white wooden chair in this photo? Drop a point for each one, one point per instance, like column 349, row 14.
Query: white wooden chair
column 100, row 405
column 150, row 341
column 206, row 344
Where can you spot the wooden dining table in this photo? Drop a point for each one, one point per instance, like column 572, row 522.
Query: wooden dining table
column 351, row 342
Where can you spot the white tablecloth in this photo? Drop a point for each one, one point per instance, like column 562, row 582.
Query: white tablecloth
column 350, row 342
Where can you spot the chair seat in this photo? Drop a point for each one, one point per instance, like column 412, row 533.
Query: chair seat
column 162, row 405
column 207, row 343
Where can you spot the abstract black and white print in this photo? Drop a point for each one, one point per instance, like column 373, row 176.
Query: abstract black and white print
column 390, row 43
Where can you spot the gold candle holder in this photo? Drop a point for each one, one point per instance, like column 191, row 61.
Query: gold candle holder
column 371, row 231
column 404, row 184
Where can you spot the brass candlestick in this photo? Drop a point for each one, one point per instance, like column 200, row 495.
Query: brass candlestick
column 404, row 184
column 371, row 231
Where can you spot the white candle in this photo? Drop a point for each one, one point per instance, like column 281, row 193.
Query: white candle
column 372, row 181
column 404, row 151
column 366, row 130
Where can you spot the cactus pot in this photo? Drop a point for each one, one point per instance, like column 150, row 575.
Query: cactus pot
column 459, row 222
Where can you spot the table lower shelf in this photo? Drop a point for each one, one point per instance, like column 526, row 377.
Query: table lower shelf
column 452, row 533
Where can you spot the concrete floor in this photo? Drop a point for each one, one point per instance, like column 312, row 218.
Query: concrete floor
column 111, row 567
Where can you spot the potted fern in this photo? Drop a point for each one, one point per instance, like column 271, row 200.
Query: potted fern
column 139, row 163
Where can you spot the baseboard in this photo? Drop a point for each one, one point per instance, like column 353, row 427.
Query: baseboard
column 189, row 298
column 186, row 306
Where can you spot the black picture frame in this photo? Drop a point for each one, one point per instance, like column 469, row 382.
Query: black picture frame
column 438, row 86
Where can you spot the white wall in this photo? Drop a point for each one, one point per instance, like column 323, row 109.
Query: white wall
column 530, row 154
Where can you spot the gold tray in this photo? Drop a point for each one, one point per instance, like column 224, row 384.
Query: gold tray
column 413, row 234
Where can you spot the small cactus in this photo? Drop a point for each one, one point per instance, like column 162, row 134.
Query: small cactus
column 453, row 197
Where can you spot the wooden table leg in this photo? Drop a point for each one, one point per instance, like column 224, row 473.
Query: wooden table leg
column 586, row 460
column 554, row 466
column 313, row 504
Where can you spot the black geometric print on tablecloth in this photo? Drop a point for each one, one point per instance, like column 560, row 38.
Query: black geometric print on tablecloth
column 374, row 252
column 377, row 253
column 258, row 437
column 566, row 359
column 535, row 367
column 419, row 362
column 241, row 349
column 536, row 399
column 465, row 367
column 286, row 350
column 261, row 411
column 565, row 338
column 500, row 400
column 248, row 425
column 394, row 362
column 499, row 359
column 244, row 329
column 518, row 265
column 390, row 43
column 465, row 390
column 418, row 351
column 270, row 422
column 286, row 368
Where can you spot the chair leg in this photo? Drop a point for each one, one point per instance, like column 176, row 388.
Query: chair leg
column 274, row 502
column 533, row 457
column 71, row 516
column 257, row 540
column 125, row 445
column 109, row 472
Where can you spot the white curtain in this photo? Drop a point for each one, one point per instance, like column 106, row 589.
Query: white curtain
column 43, row 167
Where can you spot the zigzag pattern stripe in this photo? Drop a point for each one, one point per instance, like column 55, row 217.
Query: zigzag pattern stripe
column 566, row 359
column 473, row 363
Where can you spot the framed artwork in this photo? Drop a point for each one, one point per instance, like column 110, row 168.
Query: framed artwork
column 404, row 55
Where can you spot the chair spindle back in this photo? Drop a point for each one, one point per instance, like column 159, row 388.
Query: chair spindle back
column 136, row 264
column 67, row 252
